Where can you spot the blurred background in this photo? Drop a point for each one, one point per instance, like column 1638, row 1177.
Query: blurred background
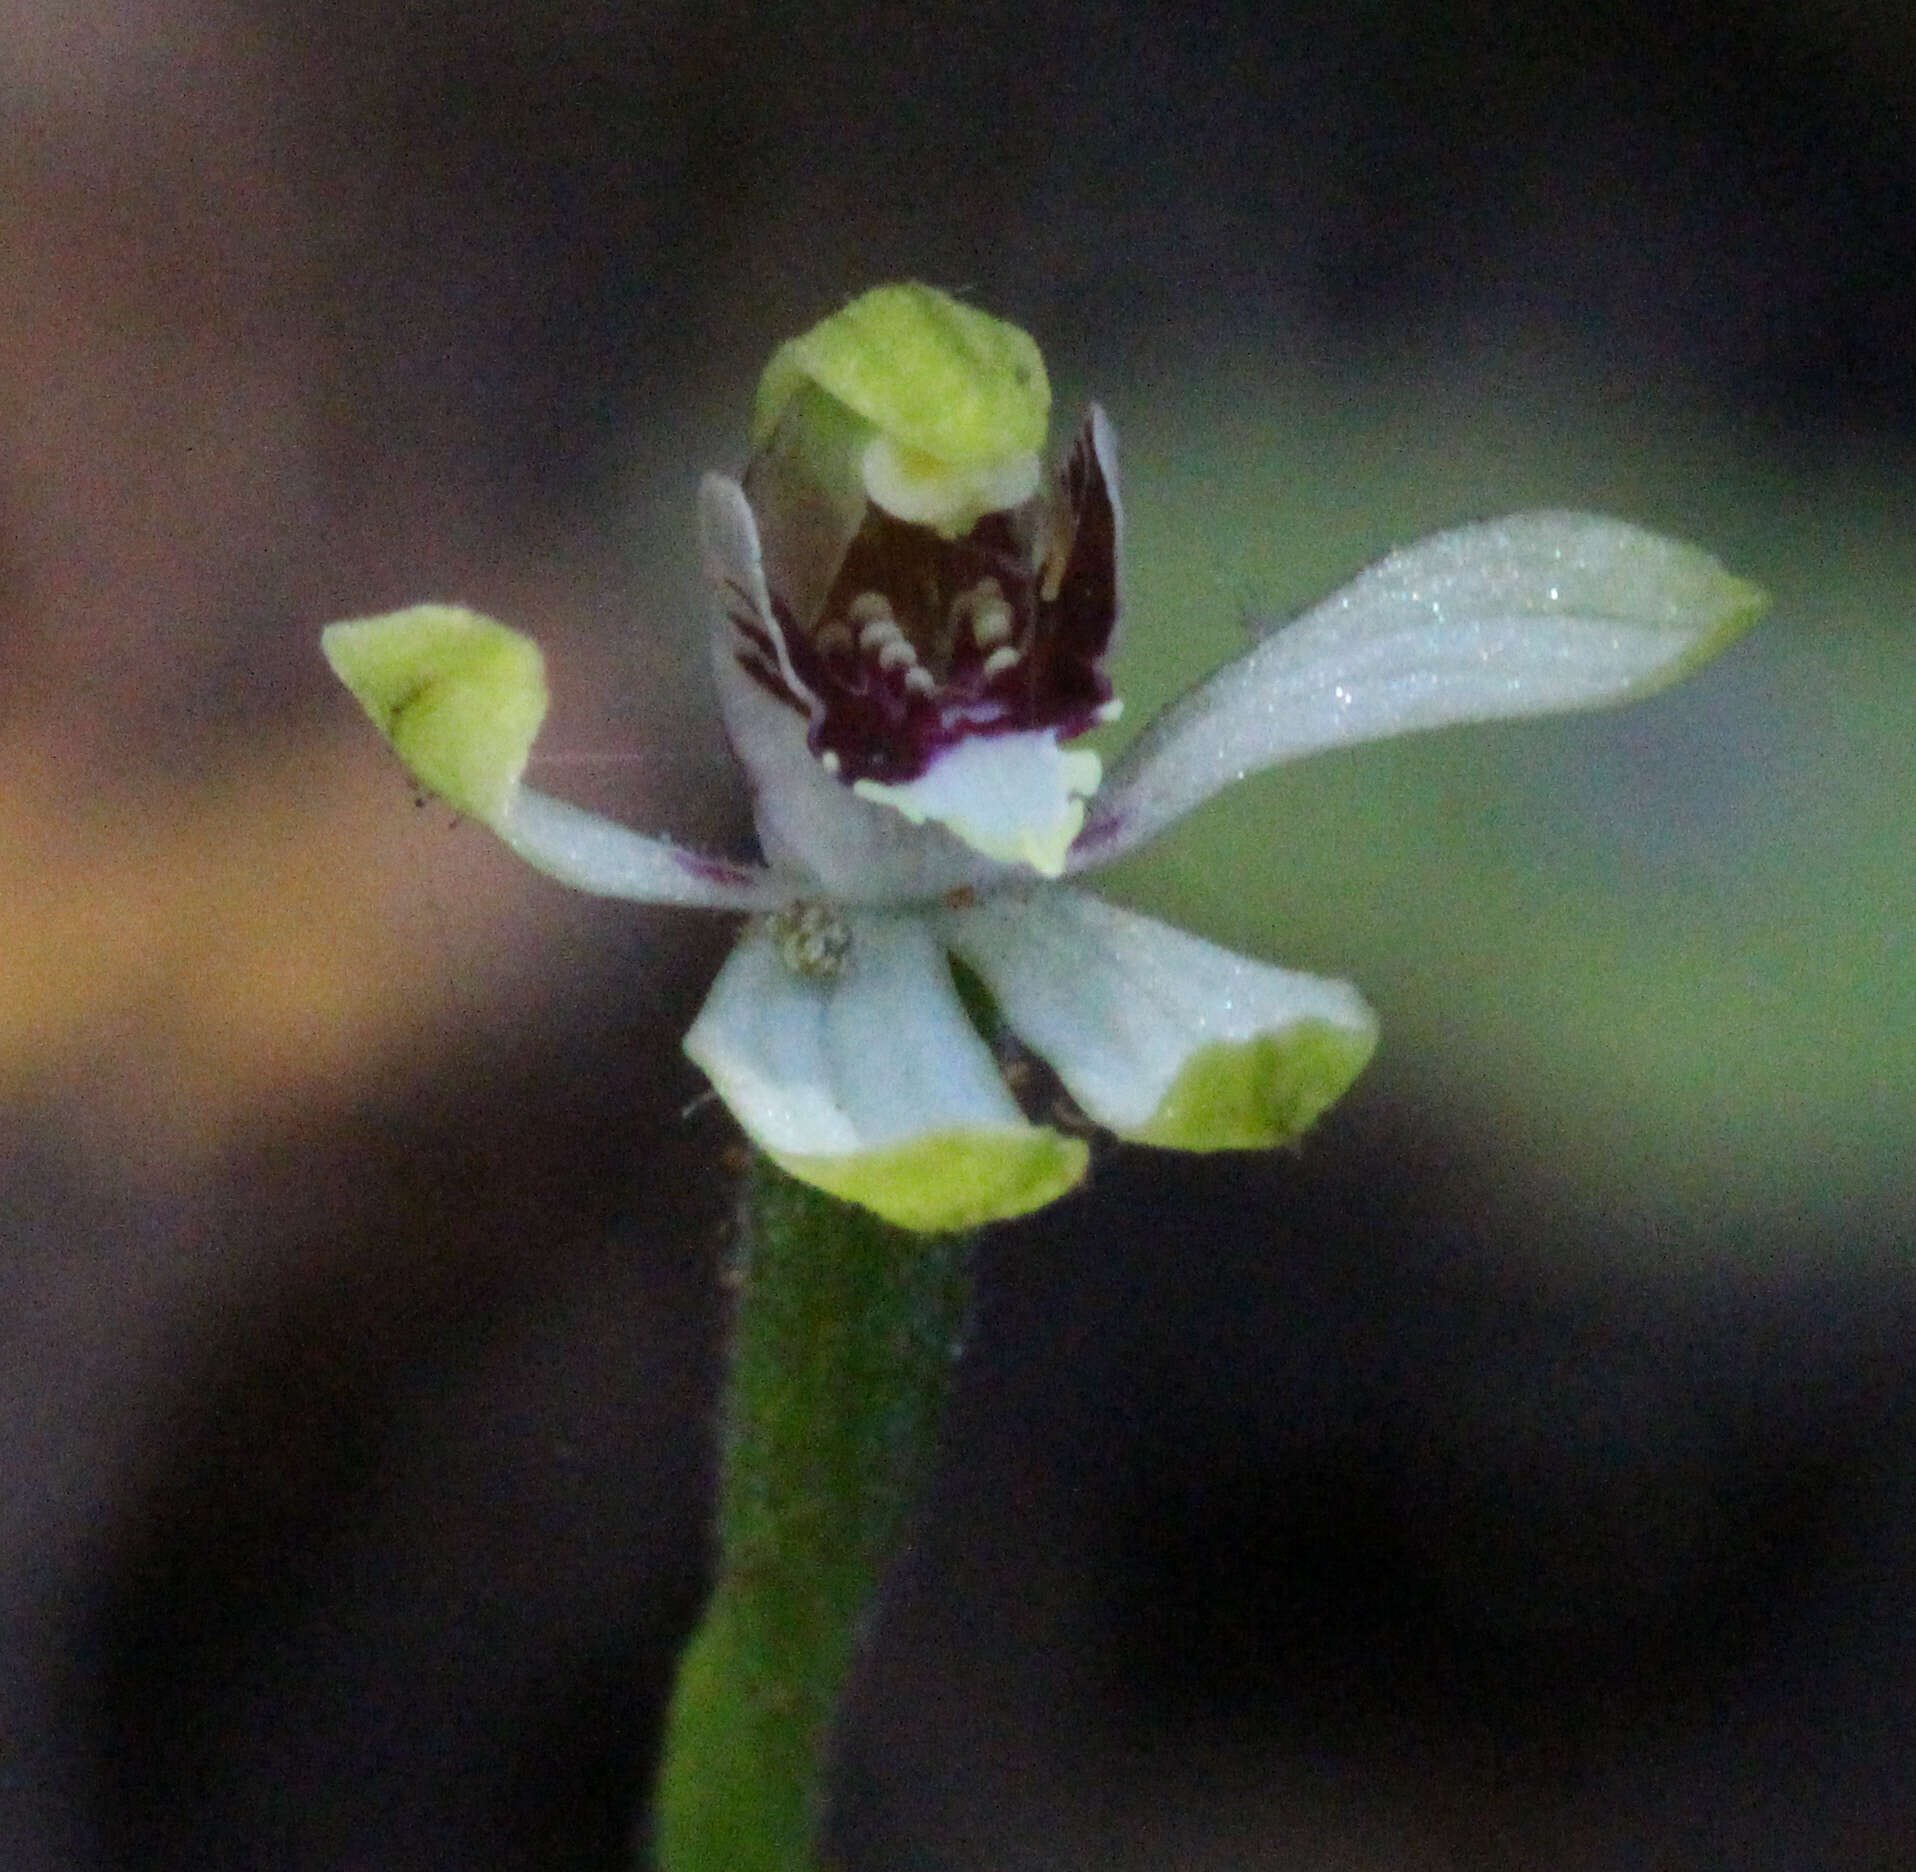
column 1522, row 1474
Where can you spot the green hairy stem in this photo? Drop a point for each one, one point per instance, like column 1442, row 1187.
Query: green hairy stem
column 844, row 1336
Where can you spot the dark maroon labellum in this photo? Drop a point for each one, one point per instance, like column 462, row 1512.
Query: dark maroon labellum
column 923, row 641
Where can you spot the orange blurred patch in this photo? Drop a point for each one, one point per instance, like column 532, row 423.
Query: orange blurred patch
column 187, row 961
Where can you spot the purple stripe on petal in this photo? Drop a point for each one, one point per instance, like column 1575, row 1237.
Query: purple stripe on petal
column 768, row 679
column 719, row 871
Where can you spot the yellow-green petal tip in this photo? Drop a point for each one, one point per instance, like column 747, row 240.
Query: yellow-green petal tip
column 1735, row 604
column 1252, row 1094
column 951, row 1179
column 460, row 697
column 932, row 375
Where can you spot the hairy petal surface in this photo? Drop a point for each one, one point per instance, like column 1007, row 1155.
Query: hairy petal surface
column 1529, row 615
column 1160, row 1036
column 871, row 1083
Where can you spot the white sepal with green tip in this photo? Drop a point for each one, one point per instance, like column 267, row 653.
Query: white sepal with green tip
column 1534, row 614
column 870, row 1081
column 1162, row 1037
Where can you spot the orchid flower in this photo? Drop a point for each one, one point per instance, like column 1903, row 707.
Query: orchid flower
column 911, row 629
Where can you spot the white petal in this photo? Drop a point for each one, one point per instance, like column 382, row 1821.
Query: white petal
column 1527, row 615
column 834, row 1063
column 1159, row 1035
column 1016, row 798
column 873, row 1083
column 595, row 854
column 735, row 568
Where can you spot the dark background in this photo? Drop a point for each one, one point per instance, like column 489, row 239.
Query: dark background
column 1377, row 1506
